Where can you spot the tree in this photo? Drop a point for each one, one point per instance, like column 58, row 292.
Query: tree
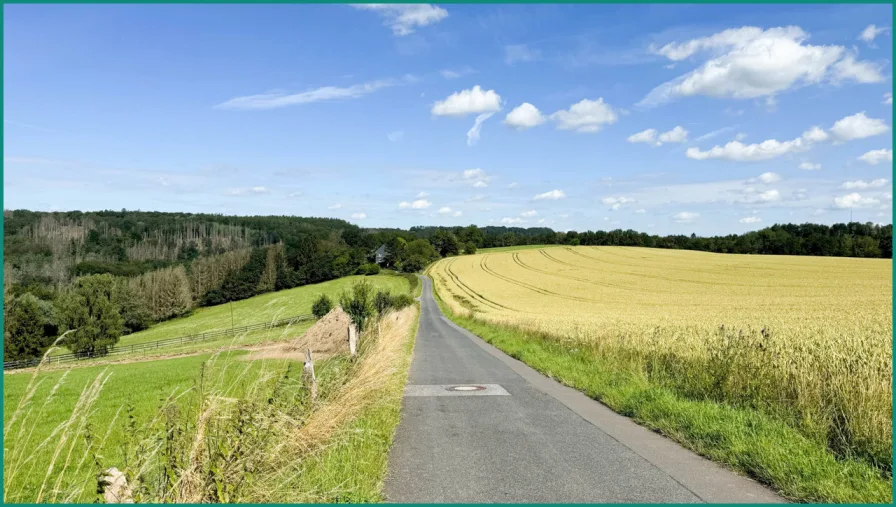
column 23, row 330
column 395, row 251
column 445, row 243
column 133, row 310
column 470, row 248
column 91, row 310
column 358, row 303
column 423, row 249
column 322, row 306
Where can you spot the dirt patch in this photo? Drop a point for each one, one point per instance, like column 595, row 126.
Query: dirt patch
column 327, row 337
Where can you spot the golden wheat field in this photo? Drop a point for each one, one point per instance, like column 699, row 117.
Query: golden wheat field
column 805, row 338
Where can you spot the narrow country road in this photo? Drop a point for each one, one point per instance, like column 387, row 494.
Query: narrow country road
column 521, row 437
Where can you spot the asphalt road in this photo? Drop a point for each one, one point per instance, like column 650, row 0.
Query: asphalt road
column 526, row 438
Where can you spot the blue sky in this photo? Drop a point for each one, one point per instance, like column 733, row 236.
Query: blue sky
column 712, row 119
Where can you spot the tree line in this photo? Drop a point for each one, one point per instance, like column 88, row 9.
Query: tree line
column 111, row 273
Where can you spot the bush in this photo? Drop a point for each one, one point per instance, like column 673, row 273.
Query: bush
column 384, row 301
column 358, row 303
column 413, row 264
column 470, row 248
column 322, row 306
column 369, row 269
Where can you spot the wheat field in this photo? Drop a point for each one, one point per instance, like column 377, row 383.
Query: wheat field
column 807, row 339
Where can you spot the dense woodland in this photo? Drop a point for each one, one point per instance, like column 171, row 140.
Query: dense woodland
column 110, row 273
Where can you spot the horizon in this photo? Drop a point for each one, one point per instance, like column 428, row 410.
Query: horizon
column 451, row 115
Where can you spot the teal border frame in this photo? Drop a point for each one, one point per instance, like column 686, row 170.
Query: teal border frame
column 486, row 2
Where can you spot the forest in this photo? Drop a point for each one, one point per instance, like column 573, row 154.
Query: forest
column 109, row 273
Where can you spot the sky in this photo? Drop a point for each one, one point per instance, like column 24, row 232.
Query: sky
column 666, row 119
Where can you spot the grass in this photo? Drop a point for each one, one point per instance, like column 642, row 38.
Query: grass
column 511, row 248
column 210, row 427
column 264, row 308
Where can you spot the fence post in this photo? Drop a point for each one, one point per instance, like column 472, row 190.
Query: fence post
column 309, row 372
column 352, row 339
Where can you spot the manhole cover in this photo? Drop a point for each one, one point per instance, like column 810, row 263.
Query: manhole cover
column 466, row 388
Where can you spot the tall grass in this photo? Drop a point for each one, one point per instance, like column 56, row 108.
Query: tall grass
column 243, row 432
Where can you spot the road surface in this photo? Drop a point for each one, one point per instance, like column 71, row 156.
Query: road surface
column 521, row 437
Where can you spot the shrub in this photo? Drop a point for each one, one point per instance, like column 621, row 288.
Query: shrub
column 322, row 306
column 369, row 269
column 358, row 303
column 470, row 248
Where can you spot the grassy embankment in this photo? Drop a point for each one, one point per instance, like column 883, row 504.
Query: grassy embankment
column 259, row 309
column 211, row 427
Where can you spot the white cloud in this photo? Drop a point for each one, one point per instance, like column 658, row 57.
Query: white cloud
column 809, row 166
column 871, row 32
column 422, row 194
column 875, row 157
column 676, row 135
column 359, row 216
column 335, row 206
column 520, row 53
column 750, row 62
column 454, row 74
column 445, row 210
column 686, row 217
column 640, row 211
column 769, row 196
column 524, row 116
column 861, row 72
column 740, row 152
column 513, row 185
column 464, row 102
column 857, row 126
column 552, row 195
column 511, row 221
column 476, row 177
column 529, row 214
column 750, row 220
column 617, row 202
column 473, row 133
column 396, row 136
column 888, row 98
column 854, row 200
column 403, row 18
column 815, row 135
column 714, row 133
column 769, row 177
column 585, row 116
column 259, row 190
column 418, row 204
column 277, row 100
column 645, row 136
column 457, row 213
column 863, row 185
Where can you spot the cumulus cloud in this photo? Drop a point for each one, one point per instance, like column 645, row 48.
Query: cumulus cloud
column 676, row 135
column 809, row 166
column 750, row 220
column 653, row 137
column 686, row 217
column 553, row 195
column 524, row 116
column 404, row 18
column 418, row 204
column 472, row 101
column 445, row 210
column 529, row 214
column 511, row 221
column 645, row 136
column 769, row 177
column 854, row 200
column 473, row 133
column 617, row 202
column 863, row 185
column 750, row 62
column 359, row 216
column 848, row 69
column 875, row 157
column 857, row 126
column 585, row 116
column 871, row 32
column 888, row 98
